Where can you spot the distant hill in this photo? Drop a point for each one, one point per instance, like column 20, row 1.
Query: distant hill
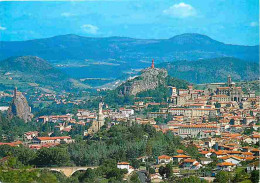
column 212, row 70
column 182, row 47
column 152, row 82
column 33, row 71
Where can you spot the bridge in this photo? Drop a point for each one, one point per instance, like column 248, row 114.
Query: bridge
column 68, row 171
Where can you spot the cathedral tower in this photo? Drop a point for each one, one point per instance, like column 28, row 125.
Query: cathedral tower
column 229, row 81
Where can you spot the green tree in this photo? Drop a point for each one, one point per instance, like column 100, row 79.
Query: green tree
column 222, row 177
column 168, row 170
column 254, row 177
column 192, row 179
column 192, row 150
column 162, row 171
column 52, row 156
column 240, row 175
column 89, row 175
column 135, row 163
column 135, row 178
column 151, row 170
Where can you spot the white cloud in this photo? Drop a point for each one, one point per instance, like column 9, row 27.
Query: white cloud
column 180, row 10
column 2, row 28
column 253, row 24
column 91, row 29
column 67, row 14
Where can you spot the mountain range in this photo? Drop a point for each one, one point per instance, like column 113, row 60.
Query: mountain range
column 76, row 61
column 189, row 46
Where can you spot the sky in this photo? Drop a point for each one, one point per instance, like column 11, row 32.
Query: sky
column 228, row 21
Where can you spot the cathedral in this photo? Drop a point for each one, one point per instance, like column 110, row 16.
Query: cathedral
column 235, row 93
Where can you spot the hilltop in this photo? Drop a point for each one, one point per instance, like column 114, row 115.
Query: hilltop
column 152, row 82
column 212, row 70
column 31, row 71
column 187, row 46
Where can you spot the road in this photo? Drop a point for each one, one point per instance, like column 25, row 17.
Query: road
column 142, row 176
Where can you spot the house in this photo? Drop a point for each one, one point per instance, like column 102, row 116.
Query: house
column 187, row 163
column 123, row 165
column 236, row 160
column 255, row 152
column 191, row 164
column 226, row 166
column 179, row 157
column 196, row 165
column 207, row 154
column 164, row 159
column 30, row 135
column 52, row 140
column 205, row 161
column 219, row 153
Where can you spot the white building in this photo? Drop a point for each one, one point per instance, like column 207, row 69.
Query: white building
column 123, row 165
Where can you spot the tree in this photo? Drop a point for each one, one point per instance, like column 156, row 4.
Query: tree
column 254, row 177
column 240, row 175
column 162, row 171
column 191, row 179
column 135, row 163
column 168, row 170
column 135, row 178
column 217, row 105
column 89, row 175
column 151, row 170
column 222, row 177
column 192, row 150
column 52, row 156
column 149, row 149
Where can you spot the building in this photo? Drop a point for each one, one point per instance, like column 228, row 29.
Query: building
column 52, row 140
column 226, row 166
column 164, row 159
column 194, row 130
column 235, row 93
column 55, row 118
column 180, row 157
column 123, row 165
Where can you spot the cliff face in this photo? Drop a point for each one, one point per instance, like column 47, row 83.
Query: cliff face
column 150, row 79
column 19, row 107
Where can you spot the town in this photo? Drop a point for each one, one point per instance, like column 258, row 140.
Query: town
column 213, row 129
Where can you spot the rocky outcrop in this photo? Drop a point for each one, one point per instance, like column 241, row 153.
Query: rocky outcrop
column 150, row 79
column 19, row 107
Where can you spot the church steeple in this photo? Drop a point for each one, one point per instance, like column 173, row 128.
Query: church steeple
column 152, row 64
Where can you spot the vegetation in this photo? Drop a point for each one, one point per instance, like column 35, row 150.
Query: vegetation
column 213, row 70
column 11, row 129
column 34, row 71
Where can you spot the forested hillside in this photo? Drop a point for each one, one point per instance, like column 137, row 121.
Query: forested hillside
column 212, row 70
